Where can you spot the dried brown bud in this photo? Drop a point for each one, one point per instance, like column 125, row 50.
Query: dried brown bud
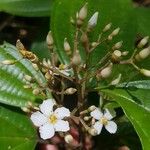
column 48, row 75
column 76, row 60
column 20, row 46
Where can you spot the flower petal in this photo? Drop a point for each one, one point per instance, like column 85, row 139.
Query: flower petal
column 111, row 127
column 97, row 114
column 62, row 125
column 46, row 131
column 98, row 127
column 38, row 119
column 107, row 114
column 47, row 107
column 62, row 112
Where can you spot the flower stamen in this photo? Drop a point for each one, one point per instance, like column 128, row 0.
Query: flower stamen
column 104, row 121
column 53, row 119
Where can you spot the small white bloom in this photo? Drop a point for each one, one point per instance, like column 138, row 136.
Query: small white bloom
column 103, row 120
column 50, row 121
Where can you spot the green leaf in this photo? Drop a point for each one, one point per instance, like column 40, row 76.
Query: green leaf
column 136, row 105
column 17, row 131
column 143, row 84
column 28, row 8
column 11, row 78
column 109, row 10
column 143, row 18
column 40, row 49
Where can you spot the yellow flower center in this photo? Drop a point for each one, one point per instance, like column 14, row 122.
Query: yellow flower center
column 62, row 67
column 53, row 119
column 104, row 121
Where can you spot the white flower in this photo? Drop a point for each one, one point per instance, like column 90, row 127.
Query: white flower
column 103, row 119
column 50, row 121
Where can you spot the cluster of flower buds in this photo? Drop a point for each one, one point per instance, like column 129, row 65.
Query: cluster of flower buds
column 49, row 116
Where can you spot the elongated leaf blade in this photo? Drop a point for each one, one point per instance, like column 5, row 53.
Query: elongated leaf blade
column 137, row 109
column 27, row 8
column 12, row 91
column 16, row 130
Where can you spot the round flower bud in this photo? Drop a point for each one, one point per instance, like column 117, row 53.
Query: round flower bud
column 67, row 47
column 70, row 91
column 84, row 38
column 110, row 37
column 86, row 118
column 93, row 20
column 106, row 72
column 116, row 55
column 118, row 45
column 107, row 27
column 35, row 66
column 49, row 39
column 48, row 76
column 91, row 108
column 68, row 138
column 8, row 62
column 76, row 60
column 116, row 81
column 125, row 53
column 83, row 12
column 143, row 42
column 115, row 32
column 145, row 72
column 27, row 78
column 94, row 44
column 143, row 54
column 36, row 91
column 28, row 86
column 92, row 131
column 25, row 109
